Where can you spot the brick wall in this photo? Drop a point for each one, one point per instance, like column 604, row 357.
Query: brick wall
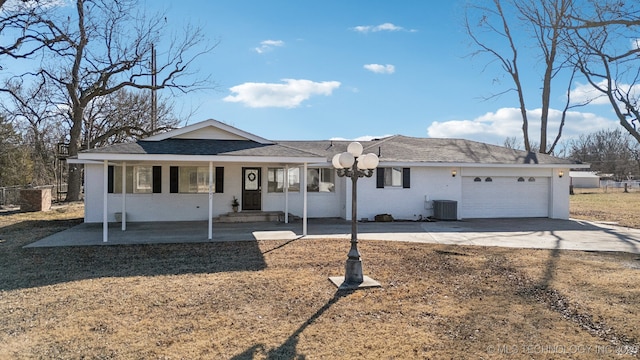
column 35, row 200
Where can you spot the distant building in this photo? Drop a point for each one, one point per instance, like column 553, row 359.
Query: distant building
column 584, row 179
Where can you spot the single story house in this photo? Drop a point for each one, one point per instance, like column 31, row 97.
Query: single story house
column 584, row 179
column 193, row 173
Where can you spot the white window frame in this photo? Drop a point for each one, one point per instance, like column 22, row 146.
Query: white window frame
column 143, row 179
column 186, row 185
column 393, row 177
column 117, row 179
column 278, row 177
column 323, row 185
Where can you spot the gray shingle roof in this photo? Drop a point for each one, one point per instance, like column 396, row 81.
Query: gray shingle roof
column 397, row 148
column 201, row 147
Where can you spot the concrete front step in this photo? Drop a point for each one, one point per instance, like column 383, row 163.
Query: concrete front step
column 253, row 216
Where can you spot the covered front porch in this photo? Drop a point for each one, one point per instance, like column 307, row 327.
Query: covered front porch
column 196, row 173
column 206, row 199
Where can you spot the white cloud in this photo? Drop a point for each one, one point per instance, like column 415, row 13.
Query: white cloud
column 380, row 69
column 268, row 45
column 360, row 138
column 495, row 127
column 583, row 93
column 288, row 95
column 376, row 28
column 387, row 27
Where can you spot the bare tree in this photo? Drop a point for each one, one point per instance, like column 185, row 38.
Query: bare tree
column 32, row 113
column 537, row 22
column 14, row 156
column 511, row 143
column 100, row 49
column 605, row 40
column 124, row 116
column 2, row 2
column 608, row 151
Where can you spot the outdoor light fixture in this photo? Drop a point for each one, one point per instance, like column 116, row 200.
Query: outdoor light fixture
column 560, row 173
column 354, row 164
column 454, row 173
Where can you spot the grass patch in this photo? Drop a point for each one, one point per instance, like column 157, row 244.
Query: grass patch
column 272, row 300
column 613, row 206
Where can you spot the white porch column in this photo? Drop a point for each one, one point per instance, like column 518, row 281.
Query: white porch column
column 105, row 194
column 210, row 200
column 304, row 201
column 124, row 192
column 286, row 194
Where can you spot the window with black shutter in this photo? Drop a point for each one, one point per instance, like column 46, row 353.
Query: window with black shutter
column 110, row 179
column 393, row 177
column 194, row 179
column 406, row 178
column 157, row 179
column 173, row 179
column 219, row 179
column 380, row 178
column 139, row 179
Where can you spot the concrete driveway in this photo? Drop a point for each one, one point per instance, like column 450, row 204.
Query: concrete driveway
column 518, row 233
column 526, row 233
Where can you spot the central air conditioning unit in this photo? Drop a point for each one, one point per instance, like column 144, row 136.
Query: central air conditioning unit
column 445, row 209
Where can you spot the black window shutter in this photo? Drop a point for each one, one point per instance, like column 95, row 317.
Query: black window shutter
column 406, row 178
column 173, row 179
column 157, row 179
column 380, row 178
column 219, row 179
column 110, row 172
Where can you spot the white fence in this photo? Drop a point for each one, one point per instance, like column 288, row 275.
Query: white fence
column 610, row 184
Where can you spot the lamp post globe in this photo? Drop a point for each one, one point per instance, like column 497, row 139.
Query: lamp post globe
column 346, row 160
column 371, row 161
column 354, row 164
column 355, row 149
column 335, row 161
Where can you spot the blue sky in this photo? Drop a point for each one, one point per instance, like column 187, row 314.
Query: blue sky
column 353, row 69
column 361, row 68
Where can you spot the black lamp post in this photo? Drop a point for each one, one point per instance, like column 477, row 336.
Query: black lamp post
column 353, row 164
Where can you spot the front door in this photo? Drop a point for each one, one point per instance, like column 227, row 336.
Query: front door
column 251, row 189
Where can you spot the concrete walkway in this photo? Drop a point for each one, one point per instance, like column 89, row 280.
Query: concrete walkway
column 517, row 233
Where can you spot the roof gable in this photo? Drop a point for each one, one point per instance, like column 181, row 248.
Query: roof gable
column 209, row 130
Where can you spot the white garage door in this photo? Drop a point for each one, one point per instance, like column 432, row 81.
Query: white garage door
column 486, row 197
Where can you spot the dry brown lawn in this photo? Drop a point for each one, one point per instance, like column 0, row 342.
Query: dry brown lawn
column 614, row 205
column 272, row 300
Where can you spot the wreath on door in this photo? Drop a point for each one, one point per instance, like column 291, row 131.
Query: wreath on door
column 251, row 177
